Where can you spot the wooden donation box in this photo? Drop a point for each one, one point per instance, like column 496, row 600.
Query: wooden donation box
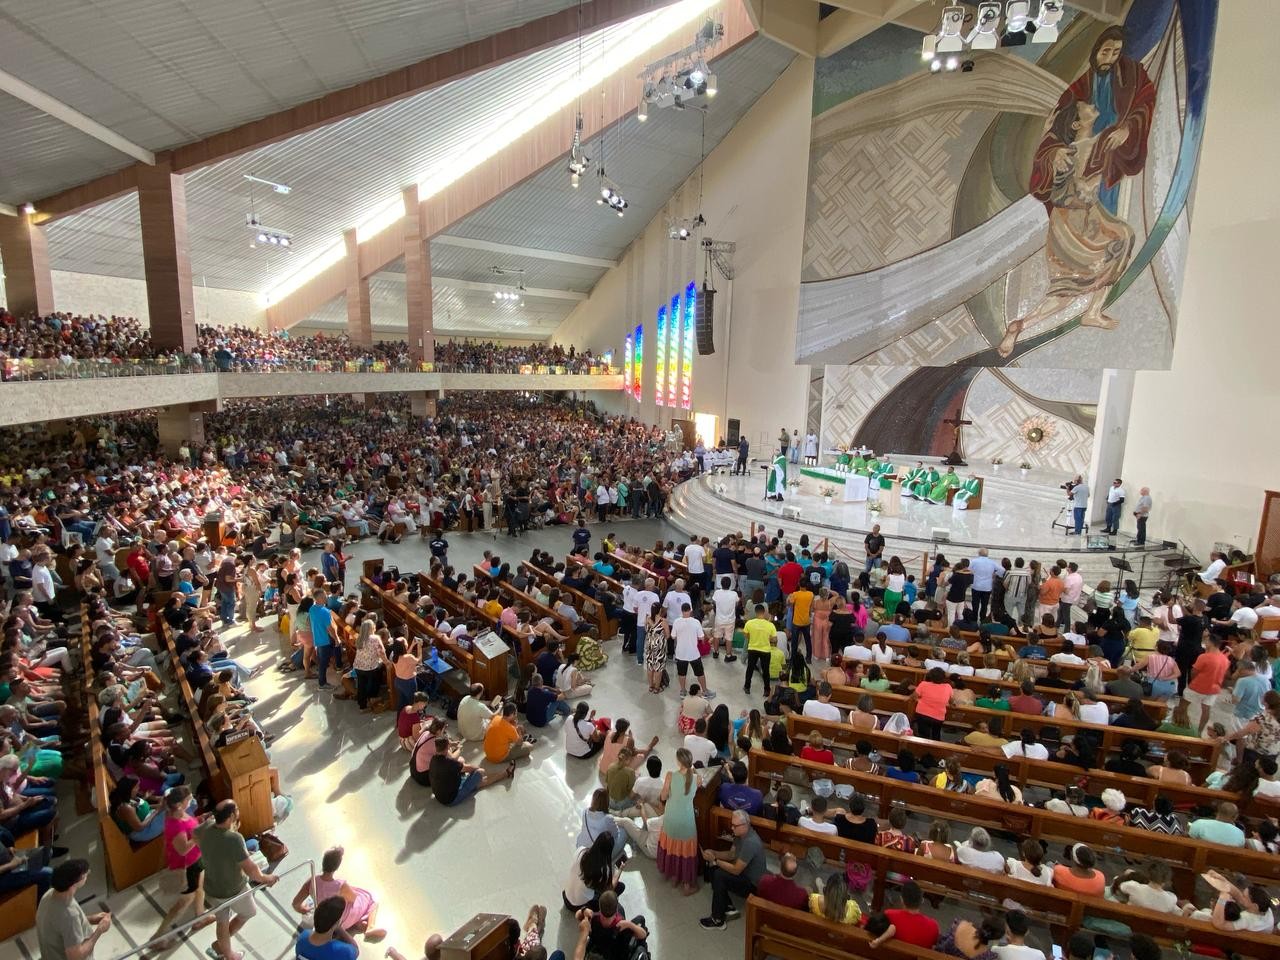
column 483, row 937
column 248, row 773
column 489, row 654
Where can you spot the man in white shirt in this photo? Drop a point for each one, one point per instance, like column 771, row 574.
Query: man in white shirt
column 1072, row 587
column 725, row 601
column 649, row 788
column 985, row 571
column 1243, row 619
column 1028, row 746
column 695, row 559
column 104, row 548
column 644, row 601
column 1211, row 573
column 1015, row 947
column 43, row 590
column 1068, row 654
column 687, row 631
column 1269, row 609
column 675, row 601
column 822, row 708
column 1115, row 500
column 699, row 747
column 817, row 819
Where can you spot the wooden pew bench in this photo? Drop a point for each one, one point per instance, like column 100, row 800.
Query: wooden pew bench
column 1062, row 910
column 1188, row 858
column 1203, row 754
column 127, row 862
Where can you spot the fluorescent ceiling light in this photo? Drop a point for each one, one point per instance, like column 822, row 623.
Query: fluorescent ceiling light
column 492, row 134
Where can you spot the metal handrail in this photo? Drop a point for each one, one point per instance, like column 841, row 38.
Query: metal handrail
column 183, row 928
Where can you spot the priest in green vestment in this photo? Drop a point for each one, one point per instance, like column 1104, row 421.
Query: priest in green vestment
column 775, row 486
column 968, row 490
column 925, row 482
column 938, row 494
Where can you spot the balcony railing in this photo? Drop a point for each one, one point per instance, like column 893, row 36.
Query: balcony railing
column 52, row 369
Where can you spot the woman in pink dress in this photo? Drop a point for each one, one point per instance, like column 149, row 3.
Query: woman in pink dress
column 362, row 909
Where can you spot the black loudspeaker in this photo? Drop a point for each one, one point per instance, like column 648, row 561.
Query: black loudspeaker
column 733, row 431
column 704, row 320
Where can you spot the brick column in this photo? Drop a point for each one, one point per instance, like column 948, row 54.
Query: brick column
column 166, row 258
column 359, row 318
column 417, row 285
column 28, row 286
column 182, row 423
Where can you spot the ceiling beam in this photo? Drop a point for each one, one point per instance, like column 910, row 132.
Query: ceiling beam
column 8, row 210
column 842, row 27
column 479, row 286
column 792, row 23
column 517, row 251
column 516, row 163
column 72, row 117
column 369, row 94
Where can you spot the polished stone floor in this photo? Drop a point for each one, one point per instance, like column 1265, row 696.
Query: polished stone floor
column 430, row 867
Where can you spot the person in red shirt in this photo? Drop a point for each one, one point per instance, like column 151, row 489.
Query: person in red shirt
column 781, row 887
column 790, row 575
column 815, row 751
column 908, row 924
column 1207, row 674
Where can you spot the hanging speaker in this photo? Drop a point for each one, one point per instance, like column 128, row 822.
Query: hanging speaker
column 704, row 320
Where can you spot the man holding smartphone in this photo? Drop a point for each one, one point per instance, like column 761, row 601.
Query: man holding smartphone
column 63, row 930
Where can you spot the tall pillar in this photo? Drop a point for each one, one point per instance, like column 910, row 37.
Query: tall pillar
column 179, row 424
column 166, row 257
column 1110, row 433
column 359, row 317
column 28, row 285
column 417, row 280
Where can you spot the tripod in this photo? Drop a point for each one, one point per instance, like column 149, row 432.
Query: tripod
column 1067, row 521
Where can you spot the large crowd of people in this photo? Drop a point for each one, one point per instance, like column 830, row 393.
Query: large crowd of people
column 867, row 646
column 34, row 346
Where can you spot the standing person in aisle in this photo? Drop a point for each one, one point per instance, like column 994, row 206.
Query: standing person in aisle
column 800, row 605
column 760, row 633
column 725, row 601
column 644, row 601
column 689, row 637
column 695, row 560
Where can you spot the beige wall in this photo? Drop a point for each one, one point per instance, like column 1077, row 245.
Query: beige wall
column 87, row 293
column 754, row 195
column 1201, row 434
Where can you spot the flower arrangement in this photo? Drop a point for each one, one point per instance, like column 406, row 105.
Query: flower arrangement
column 874, row 506
column 827, row 492
column 1024, row 465
column 996, row 461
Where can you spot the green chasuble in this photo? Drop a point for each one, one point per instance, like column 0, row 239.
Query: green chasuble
column 939, row 491
column 926, row 482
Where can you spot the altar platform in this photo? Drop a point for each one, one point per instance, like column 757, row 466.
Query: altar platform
column 1016, row 518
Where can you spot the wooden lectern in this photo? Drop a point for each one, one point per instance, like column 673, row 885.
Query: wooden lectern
column 483, row 937
column 248, row 775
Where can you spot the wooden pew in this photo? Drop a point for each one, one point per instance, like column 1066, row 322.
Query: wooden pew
column 204, row 747
column 1062, row 910
column 1188, row 858
column 589, row 609
column 491, row 673
column 562, row 623
column 777, row 931
column 1041, row 667
column 1110, row 738
column 1045, row 774
column 127, row 862
column 901, row 673
column 610, row 582
column 18, row 908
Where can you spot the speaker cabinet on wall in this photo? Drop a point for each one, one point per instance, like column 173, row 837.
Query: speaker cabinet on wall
column 733, row 431
column 704, row 320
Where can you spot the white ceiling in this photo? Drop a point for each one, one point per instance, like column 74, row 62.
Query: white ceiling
column 336, row 173
column 647, row 160
column 166, row 72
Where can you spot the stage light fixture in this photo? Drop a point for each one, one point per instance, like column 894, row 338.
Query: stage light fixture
column 1016, row 15
column 983, row 35
column 935, row 65
column 950, row 39
column 953, row 64
column 1047, row 22
column 578, row 160
column 28, row 208
column 711, row 85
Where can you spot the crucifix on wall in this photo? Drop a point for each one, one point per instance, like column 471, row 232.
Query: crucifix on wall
column 954, row 457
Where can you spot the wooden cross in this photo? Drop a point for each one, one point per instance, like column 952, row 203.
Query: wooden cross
column 955, row 458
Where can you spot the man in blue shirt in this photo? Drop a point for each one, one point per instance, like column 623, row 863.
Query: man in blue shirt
column 984, row 571
column 324, row 634
column 739, row 795
column 330, row 565
column 327, row 941
column 581, row 537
